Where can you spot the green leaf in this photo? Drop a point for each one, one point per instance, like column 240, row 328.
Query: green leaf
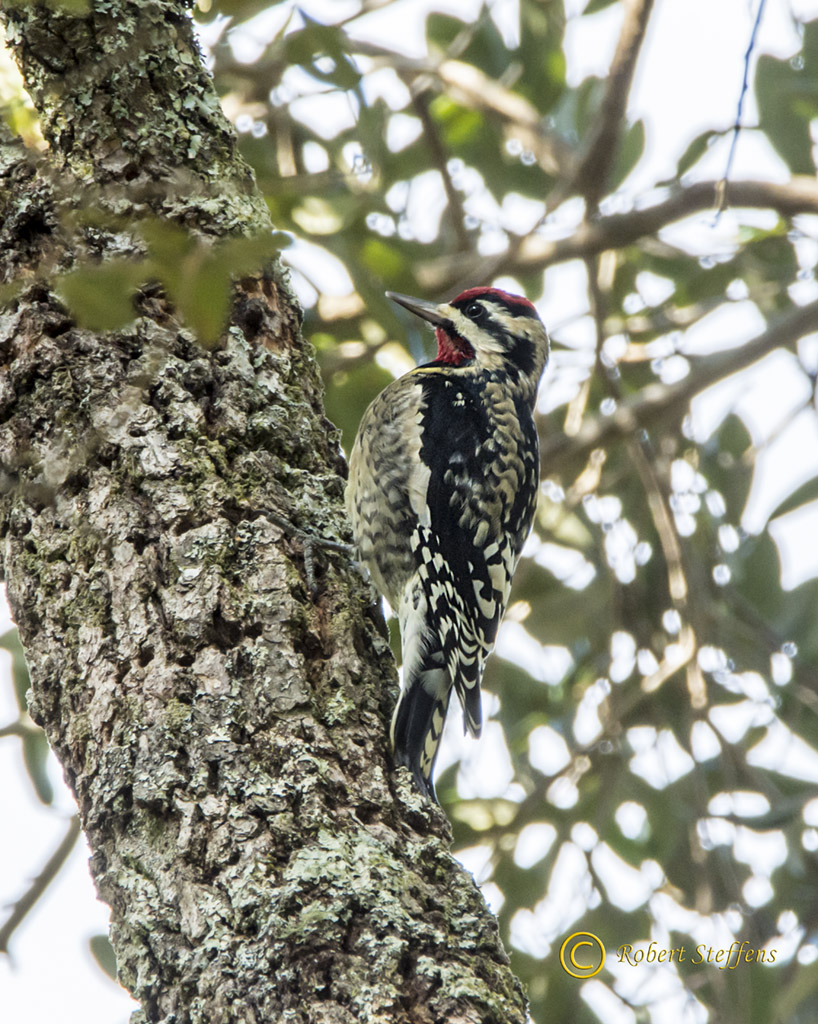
column 541, row 57
column 103, row 952
column 560, row 615
column 486, row 49
column 314, row 39
column 35, row 758
column 35, row 745
column 460, row 124
column 10, row 291
column 381, row 257
column 759, row 576
column 203, row 299
column 317, row 40
column 198, row 277
column 574, row 113
column 727, row 468
column 787, row 92
column 10, row 641
column 695, row 151
column 442, row 30
column 630, row 152
column 77, row 8
column 247, row 255
column 798, row 998
column 170, row 246
column 803, row 495
column 101, row 297
column 239, row 10
column 348, row 393
column 597, row 5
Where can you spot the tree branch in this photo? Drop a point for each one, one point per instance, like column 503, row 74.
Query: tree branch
column 643, row 457
column 38, row 886
column 601, row 145
column 662, row 402
column 470, row 86
column 420, row 102
column 799, row 195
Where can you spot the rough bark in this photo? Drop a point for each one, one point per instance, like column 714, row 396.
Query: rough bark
column 224, row 734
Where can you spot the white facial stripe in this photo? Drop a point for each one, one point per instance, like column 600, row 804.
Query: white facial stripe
column 482, row 340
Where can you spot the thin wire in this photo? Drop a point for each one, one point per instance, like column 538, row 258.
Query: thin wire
column 721, row 191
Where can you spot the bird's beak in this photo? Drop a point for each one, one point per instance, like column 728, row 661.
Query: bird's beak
column 425, row 310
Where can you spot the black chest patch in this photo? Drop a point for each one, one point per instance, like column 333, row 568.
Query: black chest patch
column 480, row 444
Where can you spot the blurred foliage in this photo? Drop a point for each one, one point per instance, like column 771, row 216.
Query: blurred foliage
column 195, row 276
column 103, row 952
column 788, row 102
column 657, row 685
column 16, row 108
column 32, row 738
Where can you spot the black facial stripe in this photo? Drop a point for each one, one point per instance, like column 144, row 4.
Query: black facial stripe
column 522, row 356
column 520, row 349
column 518, row 308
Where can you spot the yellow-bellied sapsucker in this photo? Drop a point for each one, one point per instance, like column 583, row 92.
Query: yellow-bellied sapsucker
column 443, row 482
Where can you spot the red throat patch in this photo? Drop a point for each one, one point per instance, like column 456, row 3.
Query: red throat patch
column 453, row 351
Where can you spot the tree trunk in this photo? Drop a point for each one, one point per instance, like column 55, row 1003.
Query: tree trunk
column 223, row 731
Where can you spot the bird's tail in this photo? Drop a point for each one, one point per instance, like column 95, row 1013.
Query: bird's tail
column 417, row 724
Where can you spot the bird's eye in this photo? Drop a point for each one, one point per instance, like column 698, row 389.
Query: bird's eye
column 475, row 311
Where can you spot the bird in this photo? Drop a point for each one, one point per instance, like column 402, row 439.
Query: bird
column 441, row 495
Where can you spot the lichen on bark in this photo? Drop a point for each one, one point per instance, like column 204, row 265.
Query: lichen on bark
column 224, row 733
column 130, row 112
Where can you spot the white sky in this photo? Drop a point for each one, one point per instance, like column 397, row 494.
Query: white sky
column 688, row 80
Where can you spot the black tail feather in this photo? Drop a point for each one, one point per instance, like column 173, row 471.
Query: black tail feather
column 417, row 728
